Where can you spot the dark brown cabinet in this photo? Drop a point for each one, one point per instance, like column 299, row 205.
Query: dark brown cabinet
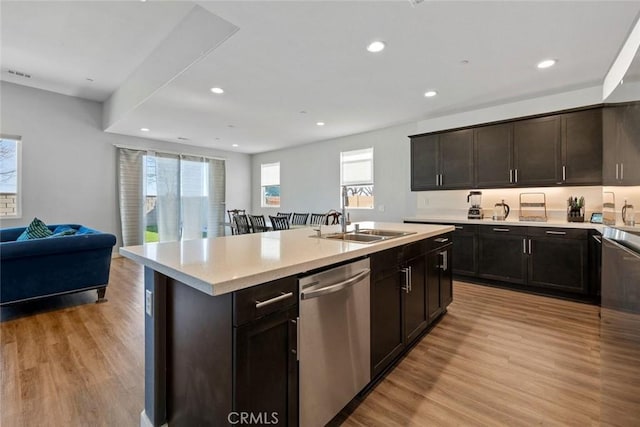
column 558, row 259
column 493, row 156
column 442, row 161
column 265, row 372
column 582, row 148
column 465, row 248
column 502, row 254
column 554, row 149
column 410, row 287
column 621, row 144
column 536, row 151
column 439, row 281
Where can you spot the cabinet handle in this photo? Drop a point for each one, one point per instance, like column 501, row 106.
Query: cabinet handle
column 529, row 246
column 406, row 287
column 459, row 227
column 510, row 176
column 558, row 233
column 506, row 230
column 524, row 246
column 295, row 350
column 516, row 173
column 438, row 178
column 597, row 239
column 616, row 171
column 444, row 266
column 441, row 240
column 282, row 296
column 410, row 278
column 564, row 173
column 621, row 171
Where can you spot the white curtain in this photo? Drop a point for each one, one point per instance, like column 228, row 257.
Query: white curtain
column 130, row 195
column 168, row 196
column 184, row 196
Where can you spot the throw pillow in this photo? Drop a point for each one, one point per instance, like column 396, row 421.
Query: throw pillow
column 66, row 229
column 36, row 230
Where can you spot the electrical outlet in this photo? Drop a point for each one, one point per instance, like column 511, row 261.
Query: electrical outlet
column 381, row 208
column 148, row 302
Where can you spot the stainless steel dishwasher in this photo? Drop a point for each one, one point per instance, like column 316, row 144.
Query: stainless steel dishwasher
column 334, row 342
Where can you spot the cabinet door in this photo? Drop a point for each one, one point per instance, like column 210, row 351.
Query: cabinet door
column 582, row 147
column 629, row 145
column 493, row 151
column 610, row 164
column 502, row 256
column 266, row 368
column 424, row 162
column 446, row 276
column 559, row 263
column 456, row 158
column 415, row 298
column 386, row 321
column 537, row 151
column 433, row 285
column 465, row 247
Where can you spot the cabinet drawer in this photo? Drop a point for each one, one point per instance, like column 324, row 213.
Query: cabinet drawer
column 567, row 233
column 439, row 241
column 385, row 261
column 465, row 228
column 415, row 249
column 504, row 229
column 257, row 301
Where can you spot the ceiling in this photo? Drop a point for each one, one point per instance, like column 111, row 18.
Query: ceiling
column 292, row 64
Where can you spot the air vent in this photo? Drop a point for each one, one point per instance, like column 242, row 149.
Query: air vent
column 19, row 74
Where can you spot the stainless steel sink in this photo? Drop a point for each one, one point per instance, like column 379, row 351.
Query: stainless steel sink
column 353, row 237
column 385, row 233
column 366, row 235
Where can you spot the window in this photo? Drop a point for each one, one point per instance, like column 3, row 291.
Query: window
column 270, row 183
column 10, row 191
column 356, row 172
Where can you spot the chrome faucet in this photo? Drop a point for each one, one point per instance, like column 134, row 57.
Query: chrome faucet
column 345, row 203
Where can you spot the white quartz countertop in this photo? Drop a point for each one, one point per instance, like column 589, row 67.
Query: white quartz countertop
column 509, row 221
column 220, row 265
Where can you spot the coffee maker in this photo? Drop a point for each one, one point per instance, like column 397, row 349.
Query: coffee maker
column 475, row 211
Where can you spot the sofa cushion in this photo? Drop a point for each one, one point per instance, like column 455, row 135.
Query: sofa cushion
column 36, row 230
column 63, row 230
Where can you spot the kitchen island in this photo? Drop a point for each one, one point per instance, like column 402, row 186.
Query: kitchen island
column 221, row 315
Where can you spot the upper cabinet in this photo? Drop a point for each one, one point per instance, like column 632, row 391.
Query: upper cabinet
column 442, row 161
column 621, row 144
column 557, row 149
column 582, row 147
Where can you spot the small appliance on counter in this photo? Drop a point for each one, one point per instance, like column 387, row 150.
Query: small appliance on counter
column 609, row 208
column 628, row 215
column 533, row 207
column 500, row 211
column 475, row 211
column 575, row 209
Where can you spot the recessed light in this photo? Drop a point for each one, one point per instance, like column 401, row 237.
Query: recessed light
column 217, row 90
column 376, row 46
column 430, row 93
column 320, row 123
column 144, row 129
column 234, row 145
column 547, row 63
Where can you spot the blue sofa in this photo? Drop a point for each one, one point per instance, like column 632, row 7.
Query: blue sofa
column 39, row 268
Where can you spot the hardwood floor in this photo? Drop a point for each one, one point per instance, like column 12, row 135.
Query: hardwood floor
column 496, row 358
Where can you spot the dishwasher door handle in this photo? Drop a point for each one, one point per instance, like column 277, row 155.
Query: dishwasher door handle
column 335, row 287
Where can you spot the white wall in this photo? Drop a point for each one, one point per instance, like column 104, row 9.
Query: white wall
column 310, row 175
column 69, row 163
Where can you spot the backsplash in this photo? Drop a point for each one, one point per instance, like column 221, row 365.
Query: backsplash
column 454, row 202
